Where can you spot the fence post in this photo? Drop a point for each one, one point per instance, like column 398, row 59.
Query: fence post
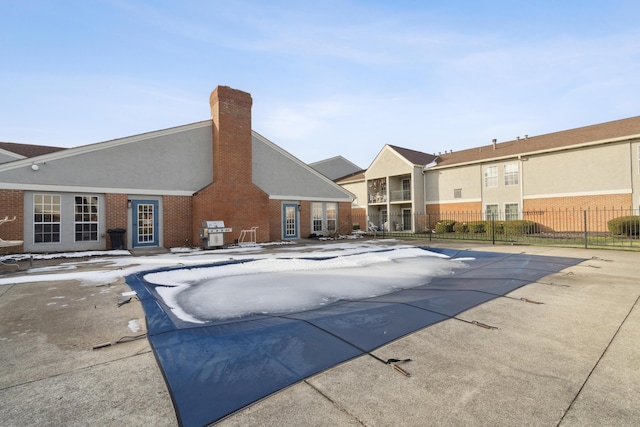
column 584, row 214
column 493, row 228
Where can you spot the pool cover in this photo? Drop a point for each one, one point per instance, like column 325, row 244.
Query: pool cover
column 219, row 367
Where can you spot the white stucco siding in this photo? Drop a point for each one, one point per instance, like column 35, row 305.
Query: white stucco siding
column 388, row 163
column 173, row 161
column 441, row 183
column 604, row 168
column 359, row 190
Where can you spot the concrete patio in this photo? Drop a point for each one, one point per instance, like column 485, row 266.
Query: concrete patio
column 573, row 360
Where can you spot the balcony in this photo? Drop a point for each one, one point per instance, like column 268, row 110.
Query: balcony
column 401, row 196
column 377, row 198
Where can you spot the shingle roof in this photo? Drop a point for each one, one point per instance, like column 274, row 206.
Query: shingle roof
column 566, row 138
column 356, row 176
column 415, row 157
column 28, row 150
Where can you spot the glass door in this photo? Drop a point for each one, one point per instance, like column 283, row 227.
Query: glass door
column 145, row 223
column 290, row 221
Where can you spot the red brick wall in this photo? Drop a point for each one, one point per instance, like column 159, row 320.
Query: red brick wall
column 567, row 213
column 116, row 211
column 232, row 145
column 232, row 197
column 116, row 214
column 275, row 220
column 12, row 204
column 345, row 220
column 239, row 206
column 359, row 216
column 177, row 222
column 459, row 212
column 580, row 202
column 305, row 219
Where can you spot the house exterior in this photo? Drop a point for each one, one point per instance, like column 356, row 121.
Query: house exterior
column 593, row 167
column 160, row 187
column 335, row 167
column 585, row 168
column 395, row 188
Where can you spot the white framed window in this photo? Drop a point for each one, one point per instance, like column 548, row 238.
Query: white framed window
column 491, row 212
column 511, row 174
column 510, row 211
column 324, row 217
column 317, row 217
column 491, row 176
column 86, row 218
column 46, row 218
column 332, row 217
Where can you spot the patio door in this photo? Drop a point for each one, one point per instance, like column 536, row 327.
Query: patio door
column 145, row 223
column 290, row 221
column 406, row 219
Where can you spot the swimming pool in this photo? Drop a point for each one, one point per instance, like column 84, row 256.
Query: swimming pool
column 217, row 364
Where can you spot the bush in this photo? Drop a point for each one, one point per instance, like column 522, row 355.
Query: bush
column 477, row 226
column 470, row 227
column 499, row 227
column 445, row 226
column 519, row 227
column 625, row 225
column 461, row 227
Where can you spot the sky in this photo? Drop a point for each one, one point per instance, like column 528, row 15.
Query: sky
column 267, row 283
column 327, row 78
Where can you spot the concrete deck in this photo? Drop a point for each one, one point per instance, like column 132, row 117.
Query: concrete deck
column 573, row 360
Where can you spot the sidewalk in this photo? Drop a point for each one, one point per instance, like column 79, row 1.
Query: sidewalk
column 572, row 360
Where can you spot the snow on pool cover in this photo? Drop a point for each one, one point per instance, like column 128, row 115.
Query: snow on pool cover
column 229, row 334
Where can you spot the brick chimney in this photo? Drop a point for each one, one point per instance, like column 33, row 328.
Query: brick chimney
column 231, row 115
column 232, row 196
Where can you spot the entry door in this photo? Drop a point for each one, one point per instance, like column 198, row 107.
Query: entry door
column 406, row 219
column 290, row 221
column 145, row 223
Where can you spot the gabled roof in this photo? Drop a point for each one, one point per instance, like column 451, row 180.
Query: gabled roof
column 417, row 158
column 353, row 177
column 28, row 150
column 564, row 139
column 335, row 167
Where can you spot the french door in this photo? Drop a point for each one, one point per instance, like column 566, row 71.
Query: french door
column 145, row 223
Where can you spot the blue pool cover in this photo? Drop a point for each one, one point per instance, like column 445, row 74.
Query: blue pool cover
column 219, row 367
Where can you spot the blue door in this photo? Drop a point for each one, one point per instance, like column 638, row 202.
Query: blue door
column 290, row 221
column 145, row 223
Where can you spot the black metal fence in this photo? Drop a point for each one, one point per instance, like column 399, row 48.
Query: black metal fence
column 617, row 227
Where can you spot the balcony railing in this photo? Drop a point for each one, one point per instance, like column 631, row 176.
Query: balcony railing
column 401, row 196
column 377, row 198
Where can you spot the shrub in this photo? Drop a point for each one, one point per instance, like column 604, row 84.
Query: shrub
column 519, row 227
column 445, row 226
column 499, row 227
column 625, row 225
column 461, row 227
column 470, row 227
column 477, row 226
